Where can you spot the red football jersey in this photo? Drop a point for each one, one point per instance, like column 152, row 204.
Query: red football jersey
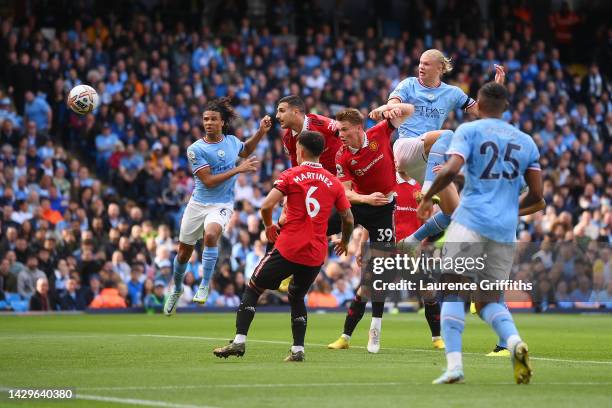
column 405, row 217
column 328, row 128
column 312, row 192
column 371, row 168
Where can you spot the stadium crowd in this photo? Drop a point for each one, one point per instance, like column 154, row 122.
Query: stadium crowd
column 91, row 205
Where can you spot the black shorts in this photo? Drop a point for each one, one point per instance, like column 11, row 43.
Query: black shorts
column 273, row 269
column 378, row 220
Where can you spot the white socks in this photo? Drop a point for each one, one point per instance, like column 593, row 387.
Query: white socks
column 512, row 341
column 295, row 349
column 240, row 338
column 454, row 360
column 376, row 323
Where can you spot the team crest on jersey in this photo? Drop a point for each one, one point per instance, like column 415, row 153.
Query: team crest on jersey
column 373, row 145
column 221, row 153
column 191, row 156
column 339, row 170
column 418, row 196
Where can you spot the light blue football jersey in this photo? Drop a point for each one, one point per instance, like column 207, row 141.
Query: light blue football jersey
column 496, row 155
column 220, row 157
column 437, row 154
column 431, row 105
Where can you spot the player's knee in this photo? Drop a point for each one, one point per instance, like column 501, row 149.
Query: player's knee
column 210, row 239
column 184, row 253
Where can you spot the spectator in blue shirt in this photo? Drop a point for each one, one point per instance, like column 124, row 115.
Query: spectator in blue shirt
column 38, row 110
column 105, row 144
column 583, row 292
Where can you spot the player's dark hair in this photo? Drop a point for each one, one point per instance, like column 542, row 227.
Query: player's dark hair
column 492, row 98
column 312, row 141
column 225, row 109
column 294, row 101
column 351, row 115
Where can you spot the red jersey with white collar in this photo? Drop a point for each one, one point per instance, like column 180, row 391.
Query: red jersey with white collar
column 405, row 216
column 312, row 192
column 371, row 169
column 328, row 128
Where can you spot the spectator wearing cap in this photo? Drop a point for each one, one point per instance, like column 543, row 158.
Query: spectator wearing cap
column 105, row 144
column 72, row 299
column 42, row 300
column 27, row 278
column 154, row 302
column 109, row 298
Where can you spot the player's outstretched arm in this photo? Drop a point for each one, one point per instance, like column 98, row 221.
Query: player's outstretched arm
column 397, row 113
column 348, row 224
column 500, row 78
column 446, row 175
column 212, row 180
column 274, row 197
column 533, row 201
column 249, row 146
column 375, row 199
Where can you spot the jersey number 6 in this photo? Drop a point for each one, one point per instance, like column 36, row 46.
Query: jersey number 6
column 312, row 205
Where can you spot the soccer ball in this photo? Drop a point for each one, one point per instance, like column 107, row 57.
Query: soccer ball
column 83, row 99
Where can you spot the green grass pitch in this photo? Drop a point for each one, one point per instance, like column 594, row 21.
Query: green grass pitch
column 151, row 360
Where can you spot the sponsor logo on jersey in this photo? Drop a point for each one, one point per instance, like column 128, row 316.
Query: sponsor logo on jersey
column 361, row 172
column 429, row 111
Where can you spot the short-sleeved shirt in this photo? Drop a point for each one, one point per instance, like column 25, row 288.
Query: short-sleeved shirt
column 496, row 155
column 312, row 192
column 328, row 128
column 371, row 169
column 431, row 105
column 405, row 216
column 220, row 157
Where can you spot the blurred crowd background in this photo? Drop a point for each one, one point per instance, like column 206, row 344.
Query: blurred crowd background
column 91, row 205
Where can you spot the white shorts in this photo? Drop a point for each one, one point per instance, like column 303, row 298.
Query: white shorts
column 410, row 158
column 197, row 216
column 496, row 257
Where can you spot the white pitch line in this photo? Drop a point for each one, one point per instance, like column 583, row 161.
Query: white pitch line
column 557, row 360
column 129, row 401
column 133, row 401
column 190, row 387
column 345, row 384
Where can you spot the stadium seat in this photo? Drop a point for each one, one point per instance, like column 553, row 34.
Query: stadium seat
column 12, row 297
column 20, row 305
column 2, row 304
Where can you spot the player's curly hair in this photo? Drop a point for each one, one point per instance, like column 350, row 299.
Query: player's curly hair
column 447, row 64
column 225, row 109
